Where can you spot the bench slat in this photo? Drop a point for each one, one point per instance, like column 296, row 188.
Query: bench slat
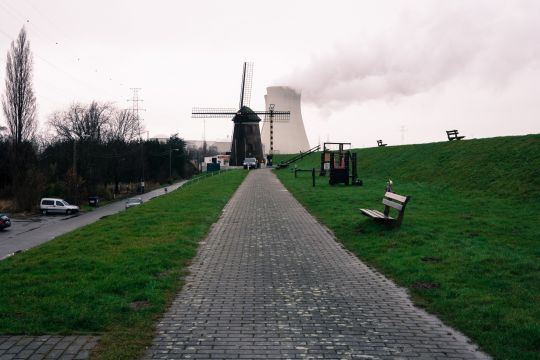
column 375, row 214
column 392, row 196
column 381, row 215
column 370, row 213
column 392, row 204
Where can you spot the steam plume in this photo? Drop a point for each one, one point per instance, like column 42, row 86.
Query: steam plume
column 483, row 43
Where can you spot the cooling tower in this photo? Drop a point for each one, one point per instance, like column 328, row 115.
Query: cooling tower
column 289, row 137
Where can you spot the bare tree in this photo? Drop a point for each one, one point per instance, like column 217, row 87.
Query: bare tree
column 63, row 122
column 96, row 119
column 80, row 121
column 19, row 102
column 123, row 126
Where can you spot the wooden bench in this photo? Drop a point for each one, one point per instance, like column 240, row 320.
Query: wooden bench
column 380, row 143
column 390, row 200
column 453, row 135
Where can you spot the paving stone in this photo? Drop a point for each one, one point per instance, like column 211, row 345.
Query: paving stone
column 46, row 347
column 270, row 281
column 6, row 344
column 25, row 354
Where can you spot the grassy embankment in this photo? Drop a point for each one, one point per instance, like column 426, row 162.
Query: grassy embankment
column 469, row 246
column 115, row 277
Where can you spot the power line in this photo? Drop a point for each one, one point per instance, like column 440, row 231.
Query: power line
column 42, row 15
column 6, row 35
column 59, row 69
column 51, row 40
column 23, row 19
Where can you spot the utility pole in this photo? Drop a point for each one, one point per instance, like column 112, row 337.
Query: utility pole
column 75, row 177
column 170, row 161
column 204, row 139
column 75, row 158
column 174, row 136
column 135, row 111
column 271, row 109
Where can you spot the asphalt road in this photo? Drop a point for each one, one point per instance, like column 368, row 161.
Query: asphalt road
column 27, row 233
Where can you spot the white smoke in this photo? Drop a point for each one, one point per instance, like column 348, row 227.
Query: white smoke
column 483, row 43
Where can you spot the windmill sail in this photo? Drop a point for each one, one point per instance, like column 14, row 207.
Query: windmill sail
column 246, row 140
column 245, row 86
column 200, row 112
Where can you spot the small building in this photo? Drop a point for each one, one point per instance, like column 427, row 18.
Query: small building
column 221, row 159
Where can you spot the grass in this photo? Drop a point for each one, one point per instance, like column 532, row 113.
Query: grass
column 115, row 277
column 471, row 232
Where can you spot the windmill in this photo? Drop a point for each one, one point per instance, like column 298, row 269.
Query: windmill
column 246, row 140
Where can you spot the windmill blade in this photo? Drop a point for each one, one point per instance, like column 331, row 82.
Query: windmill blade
column 245, row 86
column 199, row 112
column 275, row 116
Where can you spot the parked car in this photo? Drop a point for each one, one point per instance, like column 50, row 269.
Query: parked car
column 131, row 202
column 250, row 163
column 5, row 222
column 52, row 205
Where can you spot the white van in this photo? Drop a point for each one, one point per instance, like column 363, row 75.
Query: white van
column 52, row 205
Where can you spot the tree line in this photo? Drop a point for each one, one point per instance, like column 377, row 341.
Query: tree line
column 93, row 149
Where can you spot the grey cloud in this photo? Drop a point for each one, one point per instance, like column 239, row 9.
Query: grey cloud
column 483, row 42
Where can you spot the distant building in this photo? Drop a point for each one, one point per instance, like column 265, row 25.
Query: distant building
column 161, row 140
column 221, row 146
column 222, row 160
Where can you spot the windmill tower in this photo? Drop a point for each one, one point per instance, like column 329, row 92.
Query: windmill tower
column 285, row 137
column 246, row 141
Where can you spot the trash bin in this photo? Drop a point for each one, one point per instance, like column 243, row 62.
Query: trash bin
column 93, row 201
column 212, row 167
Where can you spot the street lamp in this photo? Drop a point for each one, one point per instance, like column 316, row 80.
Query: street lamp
column 75, row 177
column 82, row 137
column 170, row 162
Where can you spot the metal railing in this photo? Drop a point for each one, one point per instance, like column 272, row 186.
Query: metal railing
column 286, row 163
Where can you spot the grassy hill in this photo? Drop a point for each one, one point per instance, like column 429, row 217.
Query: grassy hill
column 471, row 231
column 507, row 166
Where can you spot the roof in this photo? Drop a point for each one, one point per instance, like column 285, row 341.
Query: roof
column 245, row 114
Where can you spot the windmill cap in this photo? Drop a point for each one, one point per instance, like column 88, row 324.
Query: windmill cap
column 245, row 114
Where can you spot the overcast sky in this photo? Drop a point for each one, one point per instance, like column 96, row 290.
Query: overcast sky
column 401, row 71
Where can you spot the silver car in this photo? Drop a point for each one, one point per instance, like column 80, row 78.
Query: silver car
column 131, row 202
column 54, row 205
column 250, row 163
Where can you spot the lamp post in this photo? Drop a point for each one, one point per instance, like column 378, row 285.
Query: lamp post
column 170, row 161
column 75, row 178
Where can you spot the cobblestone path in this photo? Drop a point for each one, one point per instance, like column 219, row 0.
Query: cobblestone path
column 46, row 347
column 270, row 282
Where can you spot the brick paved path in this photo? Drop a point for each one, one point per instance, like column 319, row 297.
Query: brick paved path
column 271, row 282
column 46, row 347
